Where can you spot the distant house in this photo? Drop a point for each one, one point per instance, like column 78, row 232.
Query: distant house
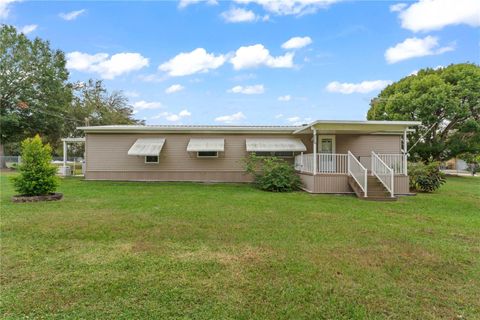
column 365, row 157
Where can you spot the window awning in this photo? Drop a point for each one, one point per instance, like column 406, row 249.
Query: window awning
column 275, row 144
column 146, row 147
column 198, row 145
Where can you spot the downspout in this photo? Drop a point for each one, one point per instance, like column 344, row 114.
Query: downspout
column 405, row 153
column 314, row 151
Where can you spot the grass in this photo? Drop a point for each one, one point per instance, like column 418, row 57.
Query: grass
column 119, row 250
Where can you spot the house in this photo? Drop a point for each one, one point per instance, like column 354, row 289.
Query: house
column 365, row 157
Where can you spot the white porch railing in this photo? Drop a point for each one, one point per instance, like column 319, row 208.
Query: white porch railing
column 326, row 163
column 358, row 172
column 398, row 162
column 383, row 172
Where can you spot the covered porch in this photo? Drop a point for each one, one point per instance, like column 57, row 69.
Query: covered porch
column 351, row 156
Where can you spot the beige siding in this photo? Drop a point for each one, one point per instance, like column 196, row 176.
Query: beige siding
column 205, row 176
column 108, row 152
column 363, row 145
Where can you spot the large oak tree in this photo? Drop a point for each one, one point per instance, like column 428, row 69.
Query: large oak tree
column 446, row 101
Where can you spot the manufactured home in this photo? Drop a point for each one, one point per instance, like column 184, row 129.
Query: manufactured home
column 363, row 157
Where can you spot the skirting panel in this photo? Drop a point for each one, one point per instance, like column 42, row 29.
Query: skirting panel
column 200, row 176
column 401, row 185
column 338, row 183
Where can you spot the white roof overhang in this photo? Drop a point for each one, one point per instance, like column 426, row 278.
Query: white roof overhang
column 197, row 145
column 369, row 127
column 275, row 144
column 146, row 147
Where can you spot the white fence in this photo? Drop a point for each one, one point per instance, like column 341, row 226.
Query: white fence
column 383, row 172
column 326, row 163
column 76, row 164
column 358, row 172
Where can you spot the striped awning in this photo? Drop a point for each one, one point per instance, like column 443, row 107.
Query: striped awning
column 199, row 145
column 146, row 147
column 275, row 145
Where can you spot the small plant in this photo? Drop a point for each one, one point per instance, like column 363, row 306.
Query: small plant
column 272, row 174
column 425, row 177
column 37, row 174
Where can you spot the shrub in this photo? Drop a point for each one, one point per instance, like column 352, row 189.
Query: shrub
column 272, row 174
column 425, row 177
column 37, row 174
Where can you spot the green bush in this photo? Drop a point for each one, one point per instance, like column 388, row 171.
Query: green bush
column 425, row 177
column 37, row 174
column 272, row 174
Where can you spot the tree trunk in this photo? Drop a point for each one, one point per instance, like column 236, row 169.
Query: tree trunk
column 3, row 163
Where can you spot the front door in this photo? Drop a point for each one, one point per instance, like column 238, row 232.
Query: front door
column 327, row 159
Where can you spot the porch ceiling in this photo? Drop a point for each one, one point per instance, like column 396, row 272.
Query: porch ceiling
column 356, row 127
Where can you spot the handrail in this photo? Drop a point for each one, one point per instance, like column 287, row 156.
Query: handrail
column 383, row 172
column 398, row 162
column 358, row 172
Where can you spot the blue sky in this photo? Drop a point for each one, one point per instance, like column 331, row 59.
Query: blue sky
column 209, row 62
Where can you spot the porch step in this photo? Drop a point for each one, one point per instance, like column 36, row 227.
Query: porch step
column 376, row 191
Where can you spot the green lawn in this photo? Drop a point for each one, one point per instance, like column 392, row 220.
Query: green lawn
column 119, row 250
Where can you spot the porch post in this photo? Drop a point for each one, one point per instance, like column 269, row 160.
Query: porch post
column 301, row 162
column 314, row 151
column 64, row 153
column 405, row 162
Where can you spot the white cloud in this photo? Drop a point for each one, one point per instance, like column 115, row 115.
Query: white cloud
column 187, row 63
column 186, row 3
column 107, row 67
column 72, row 15
column 298, row 121
column 257, row 55
column 362, row 87
column 236, row 15
column 185, row 113
column 415, row 47
column 173, row 117
column 291, row 7
column 428, row 15
column 256, row 89
column 297, row 43
column 278, row 116
column 231, row 118
column 28, row 28
column 285, row 98
column 144, row 105
column 174, row 88
column 131, row 94
column 397, row 7
column 294, row 119
column 5, row 8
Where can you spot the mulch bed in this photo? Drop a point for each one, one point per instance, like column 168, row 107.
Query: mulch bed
column 48, row 197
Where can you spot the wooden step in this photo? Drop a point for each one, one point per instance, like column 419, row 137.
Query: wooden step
column 376, row 191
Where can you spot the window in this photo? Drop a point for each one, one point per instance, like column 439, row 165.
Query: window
column 283, row 154
column 278, row 154
column 263, row 153
column 151, row 159
column 207, row 154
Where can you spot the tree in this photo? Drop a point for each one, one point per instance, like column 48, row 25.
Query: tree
column 92, row 104
column 37, row 174
column 445, row 100
column 34, row 92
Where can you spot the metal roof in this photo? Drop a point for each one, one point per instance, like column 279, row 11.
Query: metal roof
column 274, row 144
column 188, row 128
column 146, row 147
column 197, row 145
